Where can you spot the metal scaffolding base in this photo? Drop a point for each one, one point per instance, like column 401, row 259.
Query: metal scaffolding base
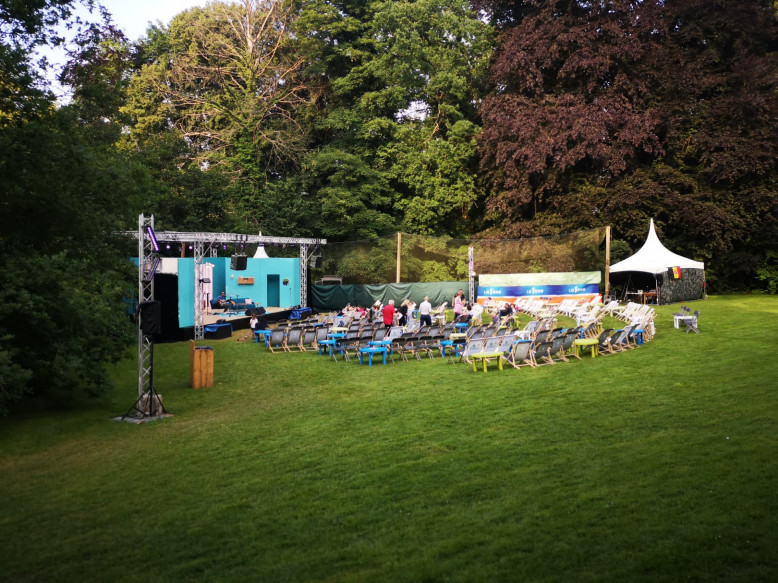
column 148, row 407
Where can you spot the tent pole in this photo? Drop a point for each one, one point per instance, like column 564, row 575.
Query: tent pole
column 607, row 262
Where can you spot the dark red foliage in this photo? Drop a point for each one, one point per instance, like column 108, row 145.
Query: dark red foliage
column 610, row 112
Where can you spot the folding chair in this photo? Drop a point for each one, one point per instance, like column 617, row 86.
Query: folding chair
column 691, row 323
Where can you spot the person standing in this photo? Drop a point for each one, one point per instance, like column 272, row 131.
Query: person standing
column 475, row 313
column 403, row 311
column 388, row 313
column 457, row 304
column 425, row 309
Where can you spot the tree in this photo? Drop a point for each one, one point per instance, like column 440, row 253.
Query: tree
column 61, row 195
column 224, row 80
column 405, row 83
column 614, row 112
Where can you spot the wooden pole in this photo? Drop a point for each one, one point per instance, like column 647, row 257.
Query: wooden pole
column 399, row 254
column 607, row 261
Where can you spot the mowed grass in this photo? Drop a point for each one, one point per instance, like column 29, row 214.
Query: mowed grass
column 658, row 464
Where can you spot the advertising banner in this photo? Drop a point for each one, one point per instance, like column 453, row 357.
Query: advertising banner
column 553, row 287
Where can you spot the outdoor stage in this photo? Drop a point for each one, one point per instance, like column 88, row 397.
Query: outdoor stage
column 167, row 293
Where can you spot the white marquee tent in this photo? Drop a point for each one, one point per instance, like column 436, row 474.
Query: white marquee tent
column 655, row 259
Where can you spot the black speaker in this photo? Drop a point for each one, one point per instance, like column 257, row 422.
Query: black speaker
column 151, row 317
column 316, row 262
column 238, row 263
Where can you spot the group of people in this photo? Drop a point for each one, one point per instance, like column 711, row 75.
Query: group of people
column 390, row 315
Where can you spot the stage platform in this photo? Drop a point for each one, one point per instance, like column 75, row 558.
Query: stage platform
column 239, row 321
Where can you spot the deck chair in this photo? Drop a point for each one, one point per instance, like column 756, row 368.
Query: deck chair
column 308, row 340
column 542, row 352
column 277, row 339
column 603, row 341
column 350, row 344
column 521, row 354
column 556, row 352
column 429, row 342
column 473, row 346
column 394, row 332
column 619, row 341
column 404, row 344
column 412, row 345
column 567, row 344
column 293, row 339
column 321, row 333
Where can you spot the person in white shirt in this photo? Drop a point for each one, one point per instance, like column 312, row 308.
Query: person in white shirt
column 475, row 313
column 425, row 308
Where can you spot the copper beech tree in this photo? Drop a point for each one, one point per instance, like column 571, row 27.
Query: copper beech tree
column 613, row 112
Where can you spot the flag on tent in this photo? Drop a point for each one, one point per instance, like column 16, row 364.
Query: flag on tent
column 676, row 273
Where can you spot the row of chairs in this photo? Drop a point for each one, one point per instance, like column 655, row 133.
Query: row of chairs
column 548, row 346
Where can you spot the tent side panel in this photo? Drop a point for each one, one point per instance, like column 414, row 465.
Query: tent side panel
column 689, row 287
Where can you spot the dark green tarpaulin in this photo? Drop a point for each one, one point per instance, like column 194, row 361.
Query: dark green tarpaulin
column 335, row 297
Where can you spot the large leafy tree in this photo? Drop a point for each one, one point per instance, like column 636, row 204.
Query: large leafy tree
column 223, row 83
column 63, row 190
column 405, row 79
column 613, row 112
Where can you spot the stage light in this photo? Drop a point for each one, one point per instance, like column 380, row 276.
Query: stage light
column 153, row 237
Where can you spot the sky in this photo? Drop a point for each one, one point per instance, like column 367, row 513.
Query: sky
column 132, row 17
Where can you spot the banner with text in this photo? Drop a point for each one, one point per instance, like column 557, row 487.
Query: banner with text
column 553, row 287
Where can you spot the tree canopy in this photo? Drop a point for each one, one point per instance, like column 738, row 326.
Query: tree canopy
column 64, row 188
column 615, row 112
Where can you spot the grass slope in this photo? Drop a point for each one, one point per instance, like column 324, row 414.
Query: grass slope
column 658, row 464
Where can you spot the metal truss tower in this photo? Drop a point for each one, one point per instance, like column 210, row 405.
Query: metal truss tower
column 148, row 404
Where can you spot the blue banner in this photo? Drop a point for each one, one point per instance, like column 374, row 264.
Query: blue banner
column 505, row 291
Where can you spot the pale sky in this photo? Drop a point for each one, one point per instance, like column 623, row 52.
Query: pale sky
column 132, row 17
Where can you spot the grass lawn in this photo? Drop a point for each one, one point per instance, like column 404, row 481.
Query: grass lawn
column 658, row 464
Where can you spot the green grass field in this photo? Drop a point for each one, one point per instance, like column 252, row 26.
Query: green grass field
column 658, row 464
